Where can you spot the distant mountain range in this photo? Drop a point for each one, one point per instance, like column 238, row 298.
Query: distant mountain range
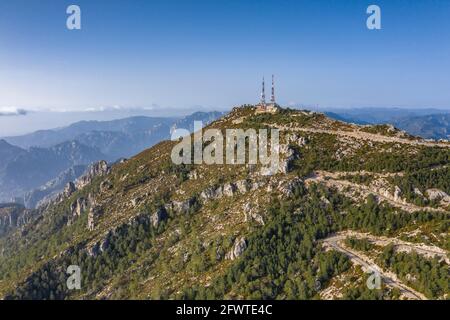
column 435, row 126
column 425, row 123
column 116, row 138
column 38, row 164
column 23, row 170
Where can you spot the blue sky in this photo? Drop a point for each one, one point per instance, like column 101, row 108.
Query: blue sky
column 183, row 54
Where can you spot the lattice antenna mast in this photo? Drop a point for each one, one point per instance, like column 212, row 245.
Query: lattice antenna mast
column 263, row 95
column 272, row 98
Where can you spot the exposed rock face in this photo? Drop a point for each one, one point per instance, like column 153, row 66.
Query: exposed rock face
column 418, row 192
column 229, row 189
column 79, row 206
column 105, row 185
column 253, row 216
column 94, row 250
column 434, row 194
column 397, row 194
column 324, row 202
column 437, row 194
column 381, row 186
column 296, row 139
column 211, row 193
column 289, row 156
column 239, row 246
column 193, row 175
column 54, row 190
column 93, row 216
column 104, row 244
column 14, row 216
column 157, row 217
column 135, row 202
column 97, row 169
column 69, row 189
column 180, row 207
column 287, row 188
column 243, row 186
column 250, row 214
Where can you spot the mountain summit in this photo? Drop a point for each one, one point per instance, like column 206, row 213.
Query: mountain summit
column 346, row 198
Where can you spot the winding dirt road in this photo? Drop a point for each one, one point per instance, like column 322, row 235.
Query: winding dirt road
column 367, row 264
column 331, row 179
column 361, row 135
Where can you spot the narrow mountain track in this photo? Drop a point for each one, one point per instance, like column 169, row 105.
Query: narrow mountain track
column 360, row 135
column 367, row 264
column 331, row 180
column 400, row 245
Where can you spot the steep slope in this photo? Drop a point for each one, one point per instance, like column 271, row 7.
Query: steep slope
column 147, row 228
column 36, row 166
column 8, row 153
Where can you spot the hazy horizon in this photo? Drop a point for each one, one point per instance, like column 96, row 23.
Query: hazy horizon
column 25, row 121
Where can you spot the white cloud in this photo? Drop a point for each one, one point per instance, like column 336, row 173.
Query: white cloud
column 100, row 109
column 12, row 111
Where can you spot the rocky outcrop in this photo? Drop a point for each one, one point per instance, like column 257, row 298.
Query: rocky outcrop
column 79, row 206
column 229, row 189
column 94, row 250
column 54, row 190
column 243, row 186
column 14, row 216
column 289, row 156
column 157, row 217
column 295, row 138
column 239, row 246
column 69, row 189
column 104, row 244
column 324, row 202
column 250, row 214
column 397, row 194
column 418, row 192
column 287, row 188
column 94, row 213
column 382, row 187
column 135, row 201
column 105, row 186
column 194, row 175
column 100, row 168
column 143, row 218
column 438, row 195
column 180, row 207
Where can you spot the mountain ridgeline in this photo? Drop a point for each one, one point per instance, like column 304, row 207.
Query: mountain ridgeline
column 38, row 165
column 345, row 197
column 425, row 123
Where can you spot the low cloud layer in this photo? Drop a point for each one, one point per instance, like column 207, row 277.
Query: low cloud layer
column 12, row 111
